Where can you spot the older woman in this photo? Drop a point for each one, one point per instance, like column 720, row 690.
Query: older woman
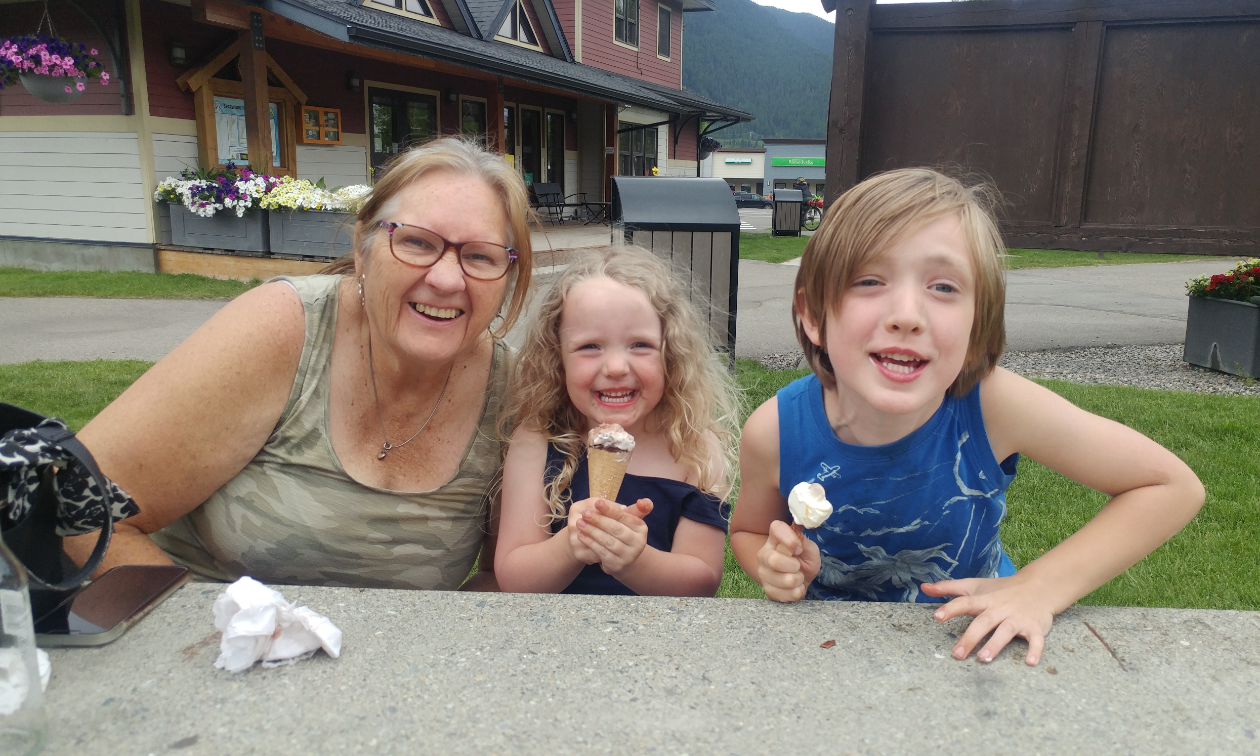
column 339, row 429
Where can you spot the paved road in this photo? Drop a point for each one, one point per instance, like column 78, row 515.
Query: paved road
column 1046, row 309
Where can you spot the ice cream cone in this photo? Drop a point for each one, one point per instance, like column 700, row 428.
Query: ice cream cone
column 606, row 469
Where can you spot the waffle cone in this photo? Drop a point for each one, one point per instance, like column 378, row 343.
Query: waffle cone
column 606, row 469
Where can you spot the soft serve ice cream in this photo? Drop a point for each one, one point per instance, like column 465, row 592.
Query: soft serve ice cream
column 608, row 449
column 809, row 506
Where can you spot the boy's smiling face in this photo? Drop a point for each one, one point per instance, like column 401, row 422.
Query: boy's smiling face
column 900, row 335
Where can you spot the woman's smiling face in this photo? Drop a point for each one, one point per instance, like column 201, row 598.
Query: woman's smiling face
column 436, row 313
column 612, row 349
column 899, row 338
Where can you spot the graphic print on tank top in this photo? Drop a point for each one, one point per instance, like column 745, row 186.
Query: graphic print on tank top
column 922, row 509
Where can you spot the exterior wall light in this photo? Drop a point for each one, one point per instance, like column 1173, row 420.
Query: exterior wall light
column 177, row 54
column 353, row 82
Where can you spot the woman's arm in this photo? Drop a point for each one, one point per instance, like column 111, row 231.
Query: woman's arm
column 196, row 418
column 530, row 559
column 763, row 543
column 1154, row 494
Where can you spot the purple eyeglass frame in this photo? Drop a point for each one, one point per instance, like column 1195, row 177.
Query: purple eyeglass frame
column 390, row 226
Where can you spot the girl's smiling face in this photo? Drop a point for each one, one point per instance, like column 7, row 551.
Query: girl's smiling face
column 612, row 349
column 900, row 335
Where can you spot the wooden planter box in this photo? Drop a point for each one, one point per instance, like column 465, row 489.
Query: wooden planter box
column 1223, row 335
column 311, row 233
column 221, row 231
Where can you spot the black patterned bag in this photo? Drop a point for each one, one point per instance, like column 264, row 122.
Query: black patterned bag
column 51, row 488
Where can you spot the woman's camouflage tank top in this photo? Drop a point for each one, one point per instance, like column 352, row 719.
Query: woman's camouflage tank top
column 294, row 516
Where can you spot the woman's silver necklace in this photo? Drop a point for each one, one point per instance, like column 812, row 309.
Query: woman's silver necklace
column 387, row 446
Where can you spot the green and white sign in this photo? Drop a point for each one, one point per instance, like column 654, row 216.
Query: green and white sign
column 739, row 161
column 800, row 162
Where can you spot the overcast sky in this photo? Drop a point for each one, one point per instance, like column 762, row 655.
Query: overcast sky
column 815, row 6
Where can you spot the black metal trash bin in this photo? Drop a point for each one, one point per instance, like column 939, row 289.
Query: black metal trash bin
column 787, row 212
column 693, row 224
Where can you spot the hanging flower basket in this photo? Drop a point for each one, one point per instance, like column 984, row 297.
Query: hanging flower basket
column 55, row 89
column 51, row 69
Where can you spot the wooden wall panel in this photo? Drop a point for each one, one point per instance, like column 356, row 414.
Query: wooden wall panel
column 80, row 186
column 601, row 51
column 173, row 153
column 1177, row 141
column 977, row 100
column 340, row 165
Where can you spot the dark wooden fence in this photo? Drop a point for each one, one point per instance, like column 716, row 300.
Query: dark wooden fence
column 1125, row 125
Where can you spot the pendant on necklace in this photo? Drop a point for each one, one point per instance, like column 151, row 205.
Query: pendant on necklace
column 381, row 455
column 385, row 447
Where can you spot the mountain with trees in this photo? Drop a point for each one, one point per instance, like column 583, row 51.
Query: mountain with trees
column 770, row 62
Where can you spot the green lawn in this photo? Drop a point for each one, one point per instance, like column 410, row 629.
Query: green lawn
column 777, row 249
column 1213, row 564
column 19, row 282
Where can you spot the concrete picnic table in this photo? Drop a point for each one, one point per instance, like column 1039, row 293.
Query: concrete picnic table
column 444, row 672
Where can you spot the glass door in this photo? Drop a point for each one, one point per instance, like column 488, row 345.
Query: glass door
column 398, row 120
column 509, row 134
column 531, row 145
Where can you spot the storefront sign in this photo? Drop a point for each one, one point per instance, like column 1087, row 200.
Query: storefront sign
column 739, row 161
column 802, row 162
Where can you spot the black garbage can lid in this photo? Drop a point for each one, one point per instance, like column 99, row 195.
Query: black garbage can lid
column 788, row 195
column 696, row 203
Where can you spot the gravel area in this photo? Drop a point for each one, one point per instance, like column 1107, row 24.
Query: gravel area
column 1152, row 367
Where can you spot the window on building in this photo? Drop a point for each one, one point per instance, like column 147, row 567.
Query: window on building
column 517, row 27
column 398, row 120
column 416, row 7
column 555, row 148
column 509, row 134
column 662, row 31
column 637, row 152
column 472, row 117
column 626, row 23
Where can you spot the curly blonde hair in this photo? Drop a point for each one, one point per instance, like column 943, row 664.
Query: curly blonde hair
column 700, row 397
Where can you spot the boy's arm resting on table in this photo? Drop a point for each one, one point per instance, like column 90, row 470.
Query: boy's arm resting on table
column 196, row 418
column 528, row 559
column 1154, row 494
column 760, row 535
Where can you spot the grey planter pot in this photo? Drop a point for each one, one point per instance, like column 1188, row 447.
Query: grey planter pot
column 51, row 88
column 311, row 233
column 223, row 230
column 1223, row 335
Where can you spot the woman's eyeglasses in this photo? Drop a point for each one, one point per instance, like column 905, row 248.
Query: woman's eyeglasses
column 412, row 245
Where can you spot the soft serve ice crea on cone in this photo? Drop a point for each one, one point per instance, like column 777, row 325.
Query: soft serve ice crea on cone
column 608, row 450
column 809, row 506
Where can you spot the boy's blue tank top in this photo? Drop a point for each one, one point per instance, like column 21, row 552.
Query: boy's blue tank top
column 671, row 500
column 921, row 509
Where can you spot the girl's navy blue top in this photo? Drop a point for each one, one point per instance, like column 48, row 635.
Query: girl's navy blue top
column 671, row 499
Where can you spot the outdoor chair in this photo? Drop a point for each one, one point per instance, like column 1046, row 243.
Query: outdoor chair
column 549, row 198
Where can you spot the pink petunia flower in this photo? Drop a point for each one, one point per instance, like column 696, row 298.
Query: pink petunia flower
column 94, row 51
column 78, row 85
column 67, row 89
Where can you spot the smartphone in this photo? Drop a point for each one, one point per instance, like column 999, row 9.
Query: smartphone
column 103, row 610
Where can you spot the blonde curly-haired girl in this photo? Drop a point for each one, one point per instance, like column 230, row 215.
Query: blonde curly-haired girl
column 616, row 340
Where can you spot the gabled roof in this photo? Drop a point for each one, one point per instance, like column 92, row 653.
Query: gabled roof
column 484, row 13
column 346, row 21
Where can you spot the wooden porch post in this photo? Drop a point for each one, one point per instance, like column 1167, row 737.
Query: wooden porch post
column 844, row 116
column 610, row 148
column 257, row 104
column 496, row 130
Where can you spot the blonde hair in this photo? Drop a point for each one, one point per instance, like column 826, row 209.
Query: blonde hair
column 699, row 396
column 467, row 158
column 868, row 219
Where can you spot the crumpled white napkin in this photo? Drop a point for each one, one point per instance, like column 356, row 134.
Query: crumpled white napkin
column 258, row 623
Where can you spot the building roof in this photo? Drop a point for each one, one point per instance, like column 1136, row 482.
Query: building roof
column 347, row 21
